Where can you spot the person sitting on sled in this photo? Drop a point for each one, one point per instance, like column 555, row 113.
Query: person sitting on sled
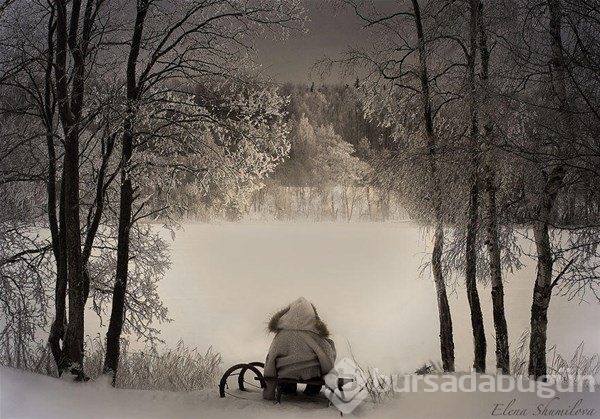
column 301, row 348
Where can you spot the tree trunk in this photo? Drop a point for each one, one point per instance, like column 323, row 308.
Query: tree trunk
column 352, row 202
column 369, row 206
column 542, row 290
column 493, row 247
column 56, row 224
column 73, row 346
column 70, row 108
column 446, row 333
column 479, row 341
column 333, row 217
column 58, row 328
column 384, row 199
column 491, row 216
column 117, row 315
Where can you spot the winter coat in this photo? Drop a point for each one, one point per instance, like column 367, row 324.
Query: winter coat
column 301, row 348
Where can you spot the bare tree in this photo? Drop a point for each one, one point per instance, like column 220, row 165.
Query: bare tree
column 542, row 290
column 552, row 159
column 403, row 66
column 446, row 338
column 115, row 326
column 73, row 41
column 31, row 72
column 491, row 212
column 480, row 345
column 198, row 41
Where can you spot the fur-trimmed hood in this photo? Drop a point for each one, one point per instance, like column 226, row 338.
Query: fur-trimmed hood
column 299, row 315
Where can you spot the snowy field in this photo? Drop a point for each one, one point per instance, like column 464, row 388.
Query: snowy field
column 26, row 395
column 227, row 278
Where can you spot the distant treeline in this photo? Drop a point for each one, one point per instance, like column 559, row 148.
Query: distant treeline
column 342, row 203
column 327, row 174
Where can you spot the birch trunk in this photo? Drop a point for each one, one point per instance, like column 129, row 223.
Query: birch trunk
column 117, row 315
column 491, row 213
column 542, row 290
column 479, row 340
column 446, row 333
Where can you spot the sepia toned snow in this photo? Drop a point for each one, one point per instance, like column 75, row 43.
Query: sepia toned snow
column 226, row 279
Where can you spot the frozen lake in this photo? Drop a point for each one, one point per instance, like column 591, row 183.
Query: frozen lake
column 227, row 278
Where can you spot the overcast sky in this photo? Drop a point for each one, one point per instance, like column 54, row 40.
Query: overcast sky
column 330, row 32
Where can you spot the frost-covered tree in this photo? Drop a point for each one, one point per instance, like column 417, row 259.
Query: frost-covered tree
column 555, row 154
column 513, row 127
column 231, row 142
column 172, row 46
column 215, row 146
column 32, row 166
column 400, row 93
column 323, row 160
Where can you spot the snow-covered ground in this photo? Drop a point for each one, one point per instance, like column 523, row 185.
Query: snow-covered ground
column 227, row 278
column 26, row 395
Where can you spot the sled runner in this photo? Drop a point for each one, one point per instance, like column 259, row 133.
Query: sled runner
column 240, row 371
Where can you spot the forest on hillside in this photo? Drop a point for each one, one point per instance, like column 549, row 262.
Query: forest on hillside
column 327, row 174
